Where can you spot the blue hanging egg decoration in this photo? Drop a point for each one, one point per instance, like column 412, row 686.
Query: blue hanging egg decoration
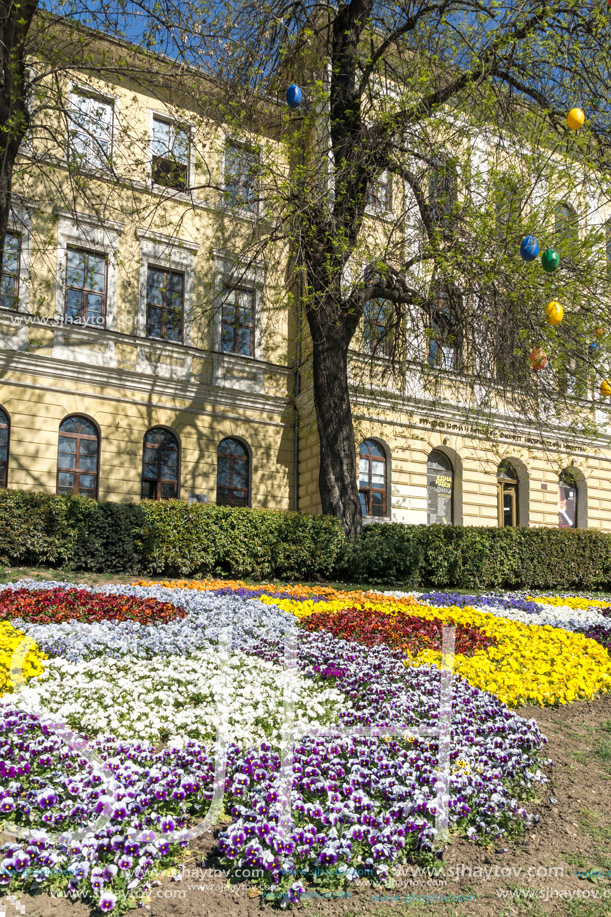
column 294, row 96
column 529, row 249
column 594, row 348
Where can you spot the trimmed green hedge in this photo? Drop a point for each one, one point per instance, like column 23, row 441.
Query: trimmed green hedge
column 165, row 538
column 446, row 556
column 174, row 538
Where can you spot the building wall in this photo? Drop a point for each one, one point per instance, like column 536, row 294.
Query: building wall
column 127, row 382
column 37, row 406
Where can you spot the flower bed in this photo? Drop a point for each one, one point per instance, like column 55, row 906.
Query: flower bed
column 31, row 665
column 359, row 802
column 45, row 606
column 407, row 632
column 176, row 698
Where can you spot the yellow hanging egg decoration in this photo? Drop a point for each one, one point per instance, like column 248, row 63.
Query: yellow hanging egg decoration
column 575, row 118
column 605, row 388
column 554, row 313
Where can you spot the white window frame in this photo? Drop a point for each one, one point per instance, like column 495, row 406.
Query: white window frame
column 168, row 253
column 105, row 97
column 384, row 213
column 258, row 212
column 229, row 271
column 81, row 230
column 20, row 223
column 158, row 115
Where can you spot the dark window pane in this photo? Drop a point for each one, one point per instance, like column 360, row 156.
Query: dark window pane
column 89, row 447
column 377, row 504
column 229, row 312
column 67, row 444
column 239, row 498
column 74, row 303
column 95, row 304
column 86, row 427
column 86, row 485
column 244, row 342
column 68, row 426
column 88, row 463
column 148, row 490
column 65, row 482
column 153, row 323
column 75, row 270
column 149, row 471
column 227, row 339
column 240, row 474
column 168, row 491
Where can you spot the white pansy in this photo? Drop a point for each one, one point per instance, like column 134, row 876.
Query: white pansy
column 171, row 698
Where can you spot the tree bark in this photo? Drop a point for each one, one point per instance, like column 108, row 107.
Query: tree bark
column 15, row 22
column 337, row 473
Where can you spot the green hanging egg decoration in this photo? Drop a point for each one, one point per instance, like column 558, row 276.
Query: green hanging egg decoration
column 550, row 260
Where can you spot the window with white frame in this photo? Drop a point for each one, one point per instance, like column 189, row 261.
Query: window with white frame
column 170, row 154
column 9, row 273
column 239, row 290
column 165, row 302
column 87, row 252
column 241, row 177
column 238, row 321
column 379, row 198
column 90, row 129
column 86, row 284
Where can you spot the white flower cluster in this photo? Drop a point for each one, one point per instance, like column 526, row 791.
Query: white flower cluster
column 173, row 698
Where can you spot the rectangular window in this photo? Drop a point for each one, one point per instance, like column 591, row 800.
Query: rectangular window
column 90, row 130
column 379, row 198
column 86, row 281
column 375, row 327
column 164, row 304
column 443, row 350
column 9, row 276
column 241, row 177
column 238, row 321
column 170, row 162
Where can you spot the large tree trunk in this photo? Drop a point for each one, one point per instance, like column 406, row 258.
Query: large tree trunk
column 337, row 476
column 15, row 21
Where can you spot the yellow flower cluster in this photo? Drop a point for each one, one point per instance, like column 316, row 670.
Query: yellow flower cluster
column 23, row 665
column 529, row 664
column 571, row 601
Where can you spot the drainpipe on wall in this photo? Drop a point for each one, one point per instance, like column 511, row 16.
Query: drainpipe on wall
column 296, row 396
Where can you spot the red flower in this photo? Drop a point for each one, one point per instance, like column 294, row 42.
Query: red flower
column 57, row 605
column 407, row 632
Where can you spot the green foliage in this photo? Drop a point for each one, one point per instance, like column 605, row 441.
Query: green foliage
column 444, row 556
column 168, row 538
column 174, row 538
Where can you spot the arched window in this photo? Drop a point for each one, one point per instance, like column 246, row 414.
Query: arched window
column 508, row 494
column 568, row 499
column 77, row 457
column 232, row 473
column 439, row 489
column 5, row 432
column 160, row 453
column 372, row 478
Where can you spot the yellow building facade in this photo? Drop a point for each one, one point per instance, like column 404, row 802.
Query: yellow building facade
column 140, row 358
